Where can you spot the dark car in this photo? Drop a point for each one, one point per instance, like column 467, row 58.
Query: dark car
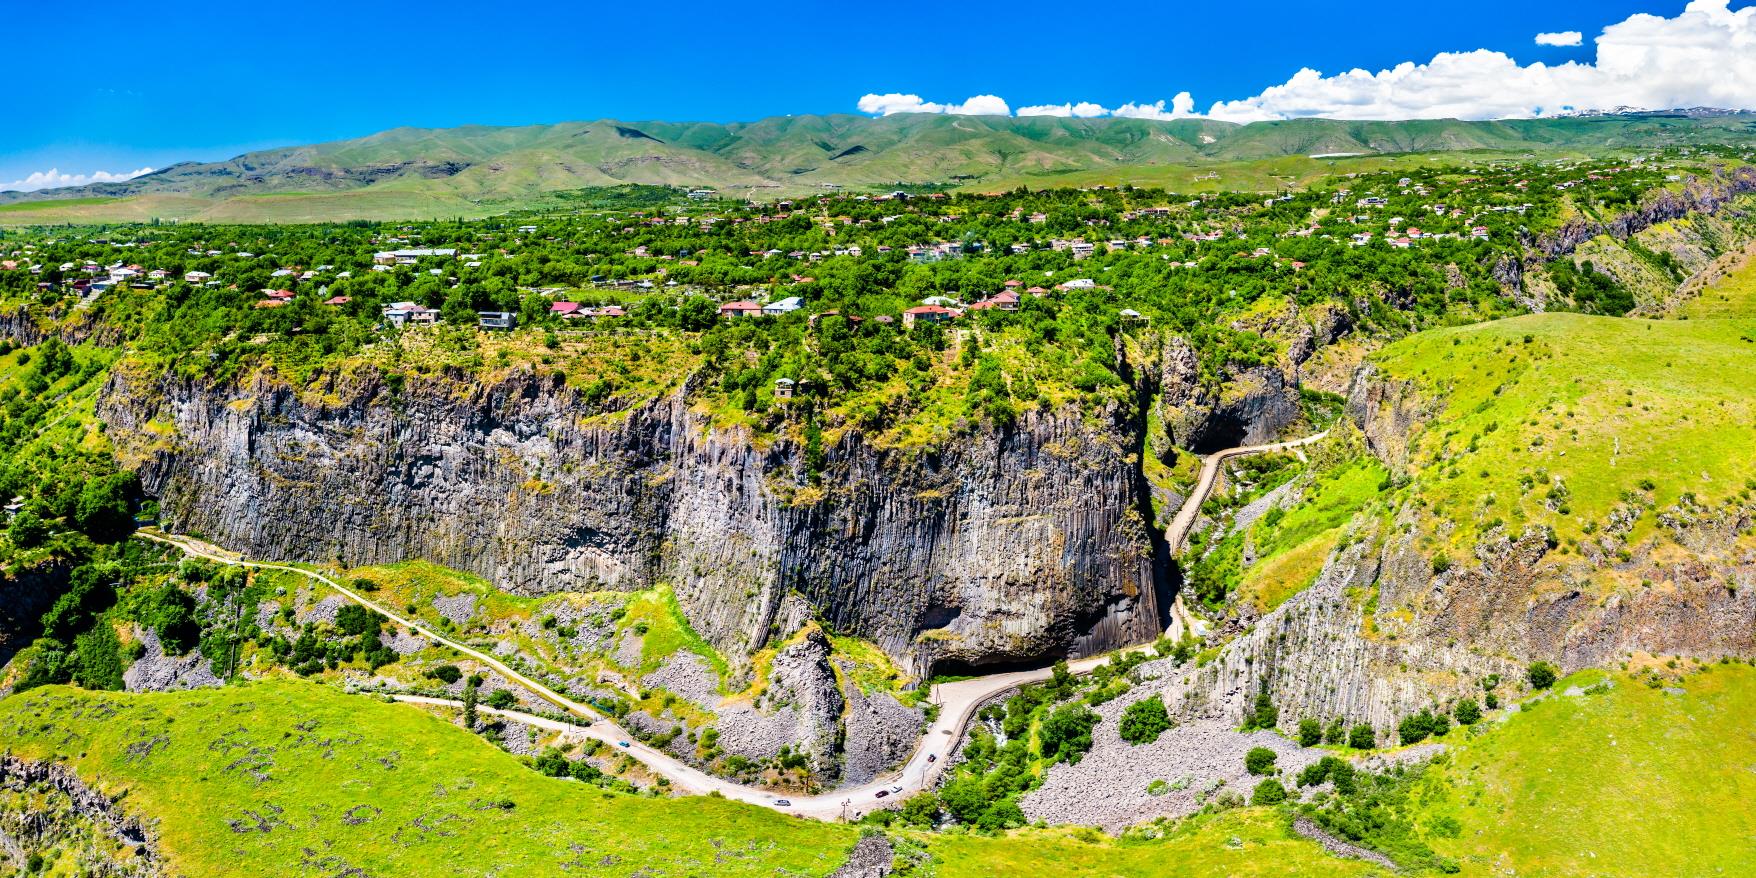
column 882, row 793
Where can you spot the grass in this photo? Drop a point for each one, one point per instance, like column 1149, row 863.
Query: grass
column 295, row 779
column 1735, row 296
column 1605, row 405
column 664, row 631
column 1291, row 550
column 1625, row 781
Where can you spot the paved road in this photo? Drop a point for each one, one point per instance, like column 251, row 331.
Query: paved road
column 958, row 701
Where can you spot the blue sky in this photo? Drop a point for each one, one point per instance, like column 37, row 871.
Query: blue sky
column 106, row 86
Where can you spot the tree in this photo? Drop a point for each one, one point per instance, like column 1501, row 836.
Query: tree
column 1263, row 714
column 170, row 613
column 27, row 530
column 500, row 699
column 1336, row 733
column 1466, row 712
column 1268, row 792
column 1541, row 675
column 1260, row 760
column 355, row 620
column 1144, row 720
column 1362, row 737
column 446, row 674
column 102, row 509
column 98, row 658
column 469, row 702
column 921, row 809
column 1066, row 733
column 1310, row 732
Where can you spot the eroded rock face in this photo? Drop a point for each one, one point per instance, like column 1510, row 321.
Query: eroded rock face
column 66, row 812
column 802, row 680
column 1011, row 544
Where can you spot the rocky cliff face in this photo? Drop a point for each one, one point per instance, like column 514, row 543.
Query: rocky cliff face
column 45, row 807
column 1010, row 544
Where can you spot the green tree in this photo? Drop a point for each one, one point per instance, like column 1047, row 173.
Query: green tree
column 1541, row 675
column 1066, row 733
column 1144, row 721
column 1268, row 792
column 98, row 658
column 102, row 509
column 170, row 613
column 500, row 699
column 470, row 689
column 27, row 530
column 1310, row 732
column 1260, row 760
column 1466, row 712
column 1362, row 737
column 1336, row 733
column 1263, row 714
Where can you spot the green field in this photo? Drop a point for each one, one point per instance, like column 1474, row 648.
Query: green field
column 295, row 779
column 1632, row 779
column 1605, row 405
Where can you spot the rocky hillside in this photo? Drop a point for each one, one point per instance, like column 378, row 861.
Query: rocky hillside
column 1014, row 544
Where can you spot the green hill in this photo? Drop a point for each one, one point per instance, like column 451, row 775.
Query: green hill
column 479, row 170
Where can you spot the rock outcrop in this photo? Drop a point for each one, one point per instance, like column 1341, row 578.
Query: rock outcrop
column 1011, row 544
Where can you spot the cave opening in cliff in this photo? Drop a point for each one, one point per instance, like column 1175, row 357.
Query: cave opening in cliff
column 1223, row 432
column 956, row 667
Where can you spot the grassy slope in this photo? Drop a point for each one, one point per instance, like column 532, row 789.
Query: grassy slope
column 1733, row 297
column 1290, row 552
column 435, row 797
column 1632, row 781
column 1603, row 403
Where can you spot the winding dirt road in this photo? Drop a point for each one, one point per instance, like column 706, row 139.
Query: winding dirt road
column 958, row 701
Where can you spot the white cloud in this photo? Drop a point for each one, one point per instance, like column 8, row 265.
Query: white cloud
column 1563, row 38
column 891, row 104
column 54, row 179
column 1705, row 56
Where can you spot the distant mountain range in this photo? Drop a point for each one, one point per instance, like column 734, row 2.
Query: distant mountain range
column 415, row 172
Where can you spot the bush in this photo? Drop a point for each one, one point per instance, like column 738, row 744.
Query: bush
column 1362, row 737
column 98, row 658
column 1418, row 727
column 446, row 674
column 500, row 699
column 1467, row 713
column 170, row 612
column 27, row 531
column 1260, row 760
column 1263, row 714
column 1541, row 675
column 356, row 620
column 1145, row 720
column 1066, row 734
column 1268, row 792
column 1336, row 733
column 1310, row 732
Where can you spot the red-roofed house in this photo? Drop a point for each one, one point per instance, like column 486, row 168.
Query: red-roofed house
column 740, row 309
column 928, row 313
column 565, row 309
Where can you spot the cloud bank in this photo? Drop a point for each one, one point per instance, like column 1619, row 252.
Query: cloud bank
column 54, row 179
column 1705, row 56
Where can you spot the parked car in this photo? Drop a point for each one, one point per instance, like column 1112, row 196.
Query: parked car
column 621, row 743
column 897, row 790
column 882, row 793
column 782, row 803
column 932, row 757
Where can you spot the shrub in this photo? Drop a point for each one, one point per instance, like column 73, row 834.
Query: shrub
column 1066, row 734
column 355, row 620
column 98, row 658
column 1144, row 721
column 1418, row 727
column 1310, row 732
column 500, row 699
column 446, row 674
column 27, row 530
column 1268, row 792
column 170, row 612
column 1336, row 733
column 1362, row 737
column 1467, row 713
column 1541, row 675
column 1260, row 760
column 1263, row 714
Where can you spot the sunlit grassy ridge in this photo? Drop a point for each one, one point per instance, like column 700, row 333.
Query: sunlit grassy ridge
column 1603, row 405
column 1735, row 296
column 1624, row 779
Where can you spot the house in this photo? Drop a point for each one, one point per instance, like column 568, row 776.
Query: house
column 740, row 309
column 197, row 277
column 1129, row 315
column 565, row 309
column 1079, row 283
column 606, row 312
column 929, row 314
column 410, row 257
column 401, row 314
column 282, row 295
column 338, row 300
column 497, row 320
column 1007, row 301
column 783, row 388
column 785, row 306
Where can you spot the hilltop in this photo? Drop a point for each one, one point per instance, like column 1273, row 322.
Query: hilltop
column 479, row 170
